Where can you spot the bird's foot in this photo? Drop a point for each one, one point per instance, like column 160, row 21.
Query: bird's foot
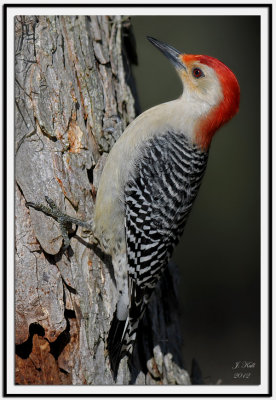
column 63, row 220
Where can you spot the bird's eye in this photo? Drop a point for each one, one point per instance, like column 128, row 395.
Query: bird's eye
column 197, row 73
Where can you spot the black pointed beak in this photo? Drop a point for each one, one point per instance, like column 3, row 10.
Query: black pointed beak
column 170, row 52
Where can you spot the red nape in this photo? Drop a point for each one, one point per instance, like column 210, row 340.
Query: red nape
column 227, row 108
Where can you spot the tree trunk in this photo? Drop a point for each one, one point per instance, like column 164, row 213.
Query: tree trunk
column 74, row 98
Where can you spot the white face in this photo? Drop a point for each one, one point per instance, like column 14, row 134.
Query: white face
column 201, row 84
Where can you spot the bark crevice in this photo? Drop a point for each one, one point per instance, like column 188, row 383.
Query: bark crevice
column 75, row 95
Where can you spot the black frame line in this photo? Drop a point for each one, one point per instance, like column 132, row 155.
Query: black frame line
column 153, row 5
column 4, row 198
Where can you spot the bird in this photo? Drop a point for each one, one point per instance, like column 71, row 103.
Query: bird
column 149, row 184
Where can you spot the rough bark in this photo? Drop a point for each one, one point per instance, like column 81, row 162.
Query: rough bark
column 74, row 98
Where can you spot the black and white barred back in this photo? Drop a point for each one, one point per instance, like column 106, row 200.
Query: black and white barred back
column 158, row 199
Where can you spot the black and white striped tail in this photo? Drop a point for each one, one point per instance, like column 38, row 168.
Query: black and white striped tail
column 120, row 341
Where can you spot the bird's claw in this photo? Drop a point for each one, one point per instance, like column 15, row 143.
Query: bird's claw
column 63, row 219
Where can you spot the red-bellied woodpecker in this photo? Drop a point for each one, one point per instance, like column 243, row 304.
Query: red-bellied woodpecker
column 150, row 182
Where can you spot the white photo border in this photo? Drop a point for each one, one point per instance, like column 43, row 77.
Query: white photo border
column 265, row 12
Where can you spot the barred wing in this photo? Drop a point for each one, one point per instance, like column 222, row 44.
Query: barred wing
column 158, row 199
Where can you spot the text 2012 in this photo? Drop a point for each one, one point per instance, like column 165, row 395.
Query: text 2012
column 242, row 375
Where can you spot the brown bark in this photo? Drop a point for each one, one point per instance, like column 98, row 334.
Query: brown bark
column 74, row 98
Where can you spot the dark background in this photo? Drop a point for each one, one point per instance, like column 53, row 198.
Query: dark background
column 219, row 254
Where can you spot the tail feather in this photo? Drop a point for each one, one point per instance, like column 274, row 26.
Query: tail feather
column 115, row 343
column 122, row 333
column 120, row 342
